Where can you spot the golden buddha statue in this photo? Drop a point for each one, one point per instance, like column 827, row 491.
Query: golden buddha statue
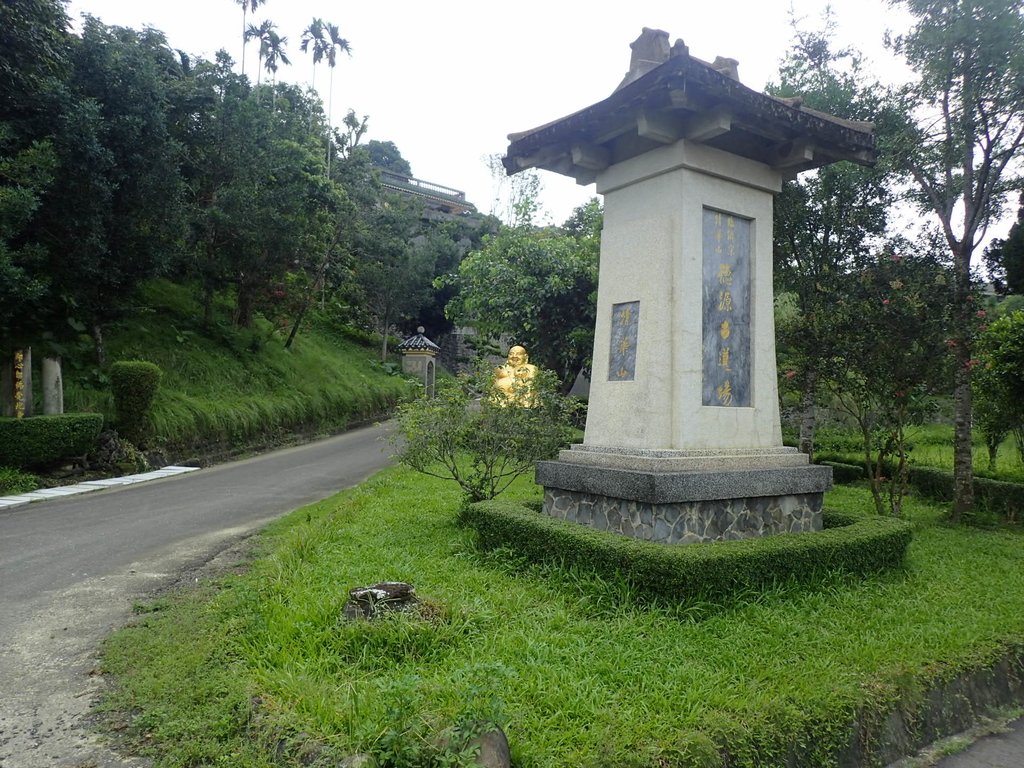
column 513, row 381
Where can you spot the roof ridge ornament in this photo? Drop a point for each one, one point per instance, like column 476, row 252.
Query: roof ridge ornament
column 651, row 50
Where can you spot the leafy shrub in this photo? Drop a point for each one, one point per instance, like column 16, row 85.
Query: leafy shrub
column 134, row 384
column 857, row 545
column 41, row 441
column 484, row 444
column 844, row 473
column 15, row 481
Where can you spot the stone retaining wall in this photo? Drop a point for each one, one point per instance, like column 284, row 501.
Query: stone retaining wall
column 688, row 522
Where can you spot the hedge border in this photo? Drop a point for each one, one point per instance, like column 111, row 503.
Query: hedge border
column 995, row 497
column 849, row 543
column 41, row 441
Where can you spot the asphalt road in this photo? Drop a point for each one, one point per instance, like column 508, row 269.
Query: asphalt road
column 70, row 570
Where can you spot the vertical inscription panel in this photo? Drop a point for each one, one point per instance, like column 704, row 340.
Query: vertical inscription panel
column 20, row 406
column 726, row 311
column 622, row 352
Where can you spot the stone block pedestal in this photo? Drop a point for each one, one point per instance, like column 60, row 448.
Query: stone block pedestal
column 680, row 497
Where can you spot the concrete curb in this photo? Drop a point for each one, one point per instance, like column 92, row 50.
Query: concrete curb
column 8, row 502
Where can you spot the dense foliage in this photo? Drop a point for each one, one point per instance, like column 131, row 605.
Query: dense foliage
column 122, row 159
column 536, row 286
column 41, row 441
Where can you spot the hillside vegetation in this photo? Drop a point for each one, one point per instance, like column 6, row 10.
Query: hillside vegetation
column 224, row 387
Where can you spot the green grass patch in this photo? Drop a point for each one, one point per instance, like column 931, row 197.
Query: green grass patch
column 225, row 386
column 14, row 481
column 578, row 668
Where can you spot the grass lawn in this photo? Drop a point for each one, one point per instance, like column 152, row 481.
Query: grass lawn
column 259, row 669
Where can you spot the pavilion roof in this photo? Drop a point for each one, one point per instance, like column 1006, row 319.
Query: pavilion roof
column 686, row 98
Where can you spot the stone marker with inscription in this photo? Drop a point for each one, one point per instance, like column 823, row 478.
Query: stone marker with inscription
column 683, row 440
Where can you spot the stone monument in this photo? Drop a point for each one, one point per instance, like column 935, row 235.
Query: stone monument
column 683, row 441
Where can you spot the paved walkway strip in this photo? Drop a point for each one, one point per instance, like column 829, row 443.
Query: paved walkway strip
column 90, row 485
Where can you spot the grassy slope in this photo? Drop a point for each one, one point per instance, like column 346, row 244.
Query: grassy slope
column 226, row 387
column 579, row 674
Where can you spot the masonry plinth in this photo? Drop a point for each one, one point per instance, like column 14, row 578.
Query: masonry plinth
column 683, row 441
column 682, row 497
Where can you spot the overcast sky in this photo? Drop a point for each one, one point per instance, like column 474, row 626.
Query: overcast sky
column 447, row 82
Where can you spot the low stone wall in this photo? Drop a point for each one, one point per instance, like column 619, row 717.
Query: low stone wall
column 685, row 507
column 688, row 522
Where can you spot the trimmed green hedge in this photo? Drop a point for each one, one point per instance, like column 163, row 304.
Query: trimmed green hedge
column 1001, row 498
column 994, row 497
column 858, row 545
column 41, row 441
column 933, row 483
column 844, row 473
column 997, row 497
column 134, row 384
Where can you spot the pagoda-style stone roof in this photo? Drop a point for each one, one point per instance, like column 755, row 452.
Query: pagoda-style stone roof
column 418, row 343
column 669, row 95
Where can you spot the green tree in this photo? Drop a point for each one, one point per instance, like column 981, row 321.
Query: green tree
column 537, row 286
column 392, row 271
column 34, row 45
column 113, row 216
column 827, row 220
column 262, row 33
column 260, row 205
column 247, row 6
column 274, row 56
column 1004, row 258
column 24, row 177
column 385, row 155
column 335, row 44
column 883, row 372
column 963, row 126
column 999, row 382
column 314, row 43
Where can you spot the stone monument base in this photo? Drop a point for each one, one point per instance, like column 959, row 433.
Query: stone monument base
column 686, row 497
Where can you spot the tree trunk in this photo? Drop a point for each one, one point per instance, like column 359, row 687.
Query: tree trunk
column 295, row 326
column 244, row 11
column 243, row 312
column 808, row 414
column 873, row 468
column 384, row 345
column 963, row 457
column 97, row 340
column 330, row 117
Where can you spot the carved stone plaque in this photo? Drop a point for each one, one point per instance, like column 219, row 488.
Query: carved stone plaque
column 625, row 330
column 726, row 311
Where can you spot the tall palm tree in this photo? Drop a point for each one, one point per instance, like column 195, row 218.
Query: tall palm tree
column 261, row 33
column 247, row 5
column 335, row 42
column 274, row 52
column 314, row 41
